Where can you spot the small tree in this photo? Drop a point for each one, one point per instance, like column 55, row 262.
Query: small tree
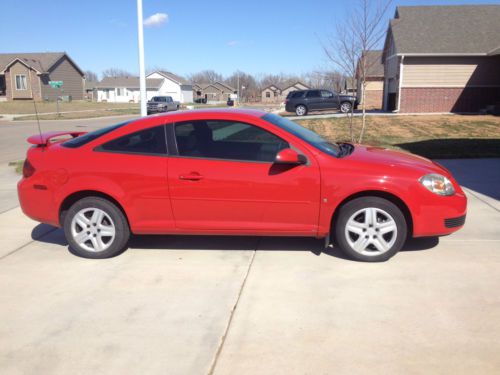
column 361, row 31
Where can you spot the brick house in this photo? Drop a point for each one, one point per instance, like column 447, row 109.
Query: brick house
column 374, row 77
column 212, row 92
column 27, row 76
column 275, row 93
column 442, row 59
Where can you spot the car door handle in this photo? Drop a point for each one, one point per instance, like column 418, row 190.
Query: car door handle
column 191, row 176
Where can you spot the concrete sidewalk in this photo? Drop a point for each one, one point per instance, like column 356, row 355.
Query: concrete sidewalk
column 246, row 305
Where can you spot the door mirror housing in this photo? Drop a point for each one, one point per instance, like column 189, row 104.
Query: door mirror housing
column 289, row 156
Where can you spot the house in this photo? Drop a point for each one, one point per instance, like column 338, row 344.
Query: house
column 374, row 80
column 442, row 59
column 27, row 76
column 212, row 92
column 349, row 86
column 277, row 93
column 125, row 89
column 173, row 85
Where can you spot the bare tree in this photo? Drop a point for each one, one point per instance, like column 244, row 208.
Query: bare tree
column 326, row 79
column 246, row 83
column 116, row 72
column 90, row 76
column 205, row 76
column 361, row 31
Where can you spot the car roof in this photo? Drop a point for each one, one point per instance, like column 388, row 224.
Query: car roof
column 214, row 111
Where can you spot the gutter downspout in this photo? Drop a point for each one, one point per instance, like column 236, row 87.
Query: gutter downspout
column 400, row 82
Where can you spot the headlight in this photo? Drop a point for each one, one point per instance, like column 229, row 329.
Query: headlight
column 438, row 184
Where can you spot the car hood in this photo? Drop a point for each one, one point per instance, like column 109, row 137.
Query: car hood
column 379, row 156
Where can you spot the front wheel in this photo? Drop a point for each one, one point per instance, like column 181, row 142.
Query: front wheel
column 301, row 110
column 370, row 229
column 345, row 107
column 96, row 228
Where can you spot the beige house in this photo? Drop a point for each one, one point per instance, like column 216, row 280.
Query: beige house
column 212, row 92
column 442, row 59
column 27, row 76
column 374, row 78
column 276, row 93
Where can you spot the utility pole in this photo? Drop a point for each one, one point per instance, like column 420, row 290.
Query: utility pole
column 142, row 72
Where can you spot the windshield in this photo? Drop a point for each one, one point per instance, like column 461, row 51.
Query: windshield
column 89, row 137
column 305, row 134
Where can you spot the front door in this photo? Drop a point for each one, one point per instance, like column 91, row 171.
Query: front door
column 330, row 100
column 314, row 100
column 224, row 180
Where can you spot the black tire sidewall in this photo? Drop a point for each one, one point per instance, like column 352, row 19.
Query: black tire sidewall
column 347, row 210
column 121, row 227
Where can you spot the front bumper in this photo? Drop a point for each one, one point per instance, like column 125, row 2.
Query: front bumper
column 439, row 216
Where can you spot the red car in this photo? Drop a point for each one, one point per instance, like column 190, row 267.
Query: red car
column 233, row 172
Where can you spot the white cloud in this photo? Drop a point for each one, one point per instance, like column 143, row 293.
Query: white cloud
column 156, row 19
column 232, row 43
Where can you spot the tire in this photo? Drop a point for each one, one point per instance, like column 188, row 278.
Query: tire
column 361, row 237
column 301, row 110
column 85, row 222
column 345, row 107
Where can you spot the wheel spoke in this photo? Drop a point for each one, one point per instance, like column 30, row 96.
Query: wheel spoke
column 82, row 220
column 106, row 230
column 386, row 227
column 81, row 237
column 361, row 243
column 370, row 216
column 355, row 227
column 380, row 244
column 97, row 216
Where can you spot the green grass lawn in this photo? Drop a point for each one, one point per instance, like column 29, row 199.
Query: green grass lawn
column 433, row 136
column 78, row 115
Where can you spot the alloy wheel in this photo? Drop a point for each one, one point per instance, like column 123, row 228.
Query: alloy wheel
column 92, row 229
column 345, row 107
column 371, row 231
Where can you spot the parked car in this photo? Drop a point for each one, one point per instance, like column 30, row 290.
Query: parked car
column 303, row 101
column 162, row 104
column 227, row 172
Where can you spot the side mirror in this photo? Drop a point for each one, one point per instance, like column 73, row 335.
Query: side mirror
column 289, row 156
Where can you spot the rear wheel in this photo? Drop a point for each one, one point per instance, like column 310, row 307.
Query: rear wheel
column 370, row 229
column 345, row 107
column 301, row 110
column 95, row 228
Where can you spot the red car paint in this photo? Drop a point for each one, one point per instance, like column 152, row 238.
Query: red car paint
column 174, row 194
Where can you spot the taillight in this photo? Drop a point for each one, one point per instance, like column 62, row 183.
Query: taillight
column 28, row 169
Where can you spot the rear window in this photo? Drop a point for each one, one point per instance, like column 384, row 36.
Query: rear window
column 89, row 137
column 296, row 94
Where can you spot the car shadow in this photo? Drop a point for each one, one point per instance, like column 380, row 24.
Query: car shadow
column 245, row 243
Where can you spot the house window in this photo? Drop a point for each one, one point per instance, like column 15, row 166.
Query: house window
column 21, row 82
column 275, row 94
column 120, row 91
column 268, row 94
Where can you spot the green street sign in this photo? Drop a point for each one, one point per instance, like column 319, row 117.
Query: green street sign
column 56, row 84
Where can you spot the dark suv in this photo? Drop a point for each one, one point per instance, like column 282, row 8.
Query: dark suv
column 303, row 101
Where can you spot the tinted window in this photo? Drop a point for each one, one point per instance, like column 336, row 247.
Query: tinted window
column 89, row 137
column 326, row 94
column 305, row 134
column 227, row 140
column 313, row 94
column 148, row 141
column 296, row 94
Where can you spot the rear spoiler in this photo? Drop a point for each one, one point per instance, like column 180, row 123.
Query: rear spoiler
column 44, row 138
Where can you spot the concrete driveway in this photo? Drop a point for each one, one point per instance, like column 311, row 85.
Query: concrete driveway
column 247, row 305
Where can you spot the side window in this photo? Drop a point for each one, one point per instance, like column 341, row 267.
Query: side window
column 268, row 94
column 150, row 141
column 313, row 94
column 227, row 140
column 326, row 94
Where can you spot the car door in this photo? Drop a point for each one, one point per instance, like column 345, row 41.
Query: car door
column 314, row 100
column 223, row 179
column 330, row 100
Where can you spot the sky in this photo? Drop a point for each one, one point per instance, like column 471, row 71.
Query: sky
column 257, row 37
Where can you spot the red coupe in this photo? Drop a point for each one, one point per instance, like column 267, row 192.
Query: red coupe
column 233, row 172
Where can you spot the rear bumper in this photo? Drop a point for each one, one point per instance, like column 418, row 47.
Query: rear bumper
column 37, row 202
column 439, row 216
